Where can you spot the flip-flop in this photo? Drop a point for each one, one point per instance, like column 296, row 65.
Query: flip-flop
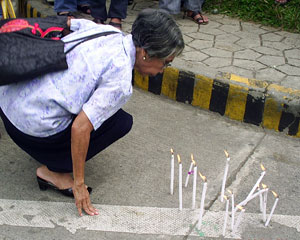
column 199, row 20
column 84, row 9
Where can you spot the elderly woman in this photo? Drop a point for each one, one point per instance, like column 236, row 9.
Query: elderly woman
column 63, row 119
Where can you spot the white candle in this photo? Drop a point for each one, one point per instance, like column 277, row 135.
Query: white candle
column 232, row 209
column 243, row 203
column 265, row 203
column 225, row 175
column 180, row 182
column 202, row 200
column 172, row 173
column 273, row 208
column 226, row 216
column 261, row 208
column 239, row 219
column 194, row 187
column 258, row 181
column 188, row 175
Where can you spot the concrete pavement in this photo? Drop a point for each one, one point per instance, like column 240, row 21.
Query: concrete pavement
column 131, row 180
column 242, row 70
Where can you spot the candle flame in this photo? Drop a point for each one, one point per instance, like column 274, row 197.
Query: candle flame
column 264, row 186
column 229, row 192
column 275, row 194
column 178, row 157
column 239, row 207
column 203, row 177
column 262, row 167
column 172, row 151
column 192, row 157
column 226, row 153
column 225, row 197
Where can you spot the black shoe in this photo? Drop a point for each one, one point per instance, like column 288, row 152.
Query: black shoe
column 43, row 184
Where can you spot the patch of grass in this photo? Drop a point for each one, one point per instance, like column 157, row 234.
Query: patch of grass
column 266, row 12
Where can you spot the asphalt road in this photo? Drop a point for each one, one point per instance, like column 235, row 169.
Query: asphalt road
column 131, row 181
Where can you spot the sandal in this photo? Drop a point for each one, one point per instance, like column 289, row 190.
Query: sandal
column 66, row 14
column 197, row 17
column 98, row 21
column 116, row 25
column 84, row 9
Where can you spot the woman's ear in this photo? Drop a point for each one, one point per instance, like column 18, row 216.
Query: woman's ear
column 142, row 53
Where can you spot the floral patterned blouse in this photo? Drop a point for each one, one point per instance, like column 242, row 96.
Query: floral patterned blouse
column 97, row 81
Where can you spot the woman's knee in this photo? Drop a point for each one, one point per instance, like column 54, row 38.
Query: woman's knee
column 126, row 123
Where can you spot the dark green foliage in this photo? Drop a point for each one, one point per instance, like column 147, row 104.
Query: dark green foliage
column 266, row 12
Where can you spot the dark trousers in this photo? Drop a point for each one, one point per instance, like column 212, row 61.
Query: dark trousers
column 117, row 9
column 55, row 151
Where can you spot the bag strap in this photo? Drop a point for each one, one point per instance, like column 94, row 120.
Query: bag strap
column 86, row 38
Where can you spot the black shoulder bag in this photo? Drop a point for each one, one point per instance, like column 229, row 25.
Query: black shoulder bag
column 25, row 54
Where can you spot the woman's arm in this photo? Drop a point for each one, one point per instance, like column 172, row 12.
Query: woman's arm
column 80, row 139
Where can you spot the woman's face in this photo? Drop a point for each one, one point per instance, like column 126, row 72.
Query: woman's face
column 150, row 66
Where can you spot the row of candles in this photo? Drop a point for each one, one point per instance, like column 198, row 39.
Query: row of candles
column 193, row 170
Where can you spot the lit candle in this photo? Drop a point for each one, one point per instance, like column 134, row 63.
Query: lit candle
column 226, row 215
column 202, row 200
column 172, row 173
column 194, row 183
column 261, row 208
column 243, row 203
column 225, row 175
column 265, row 202
column 232, row 209
column 258, row 181
column 180, row 182
column 189, row 172
column 273, row 208
column 239, row 219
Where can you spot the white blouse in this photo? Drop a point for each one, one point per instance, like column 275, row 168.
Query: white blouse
column 97, row 81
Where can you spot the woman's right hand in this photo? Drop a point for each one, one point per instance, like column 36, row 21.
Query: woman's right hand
column 82, row 200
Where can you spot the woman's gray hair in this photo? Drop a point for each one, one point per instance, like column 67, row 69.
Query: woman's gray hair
column 157, row 32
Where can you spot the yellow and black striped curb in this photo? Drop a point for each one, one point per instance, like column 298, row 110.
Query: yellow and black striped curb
column 27, row 10
column 248, row 100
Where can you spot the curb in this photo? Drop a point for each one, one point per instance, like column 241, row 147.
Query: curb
column 247, row 100
column 30, row 9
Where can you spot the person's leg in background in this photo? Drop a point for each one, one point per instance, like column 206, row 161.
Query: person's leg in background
column 65, row 7
column 84, row 6
column 117, row 12
column 171, row 6
column 194, row 9
column 98, row 11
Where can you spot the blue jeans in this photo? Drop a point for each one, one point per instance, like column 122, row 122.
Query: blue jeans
column 68, row 5
column 173, row 6
column 117, row 9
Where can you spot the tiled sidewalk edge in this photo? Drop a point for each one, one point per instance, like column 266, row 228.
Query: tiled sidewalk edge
column 248, row 100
